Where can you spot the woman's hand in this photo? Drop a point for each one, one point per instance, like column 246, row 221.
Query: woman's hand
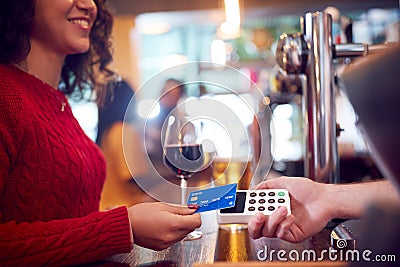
column 157, row 225
column 309, row 207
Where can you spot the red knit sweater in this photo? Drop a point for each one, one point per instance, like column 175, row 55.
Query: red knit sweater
column 51, row 176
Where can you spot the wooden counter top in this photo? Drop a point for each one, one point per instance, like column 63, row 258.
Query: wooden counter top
column 224, row 246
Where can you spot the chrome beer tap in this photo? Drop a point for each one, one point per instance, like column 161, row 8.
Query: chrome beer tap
column 311, row 54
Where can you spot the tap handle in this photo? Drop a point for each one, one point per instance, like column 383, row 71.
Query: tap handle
column 356, row 50
column 292, row 53
column 350, row 50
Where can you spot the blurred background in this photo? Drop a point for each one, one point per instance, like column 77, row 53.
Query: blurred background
column 154, row 35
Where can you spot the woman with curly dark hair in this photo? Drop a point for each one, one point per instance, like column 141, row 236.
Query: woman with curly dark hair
column 15, row 23
column 51, row 173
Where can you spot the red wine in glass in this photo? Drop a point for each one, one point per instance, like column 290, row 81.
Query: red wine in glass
column 183, row 153
column 184, row 159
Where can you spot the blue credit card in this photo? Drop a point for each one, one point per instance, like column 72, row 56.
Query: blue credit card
column 214, row 198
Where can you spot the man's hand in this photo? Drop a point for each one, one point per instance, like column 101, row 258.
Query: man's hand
column 310, row 211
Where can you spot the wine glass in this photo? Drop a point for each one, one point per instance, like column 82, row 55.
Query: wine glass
column 183, row 153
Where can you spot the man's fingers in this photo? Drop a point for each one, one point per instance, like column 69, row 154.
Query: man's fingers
column 271, row 184
column 283, row 229
column 269, row 229
column 255, row 225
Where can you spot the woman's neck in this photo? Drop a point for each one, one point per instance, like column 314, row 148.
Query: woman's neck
column 45, row 65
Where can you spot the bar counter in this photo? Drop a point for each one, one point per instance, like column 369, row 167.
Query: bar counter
column 218, row 244
column 223, row 246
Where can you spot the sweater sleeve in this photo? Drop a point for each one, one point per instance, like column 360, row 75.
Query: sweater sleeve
column 66, row 242
column 24, row 242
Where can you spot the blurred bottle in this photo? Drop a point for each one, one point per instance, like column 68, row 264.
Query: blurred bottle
column 228, row 171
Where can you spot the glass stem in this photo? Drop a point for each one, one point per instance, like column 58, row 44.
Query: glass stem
column 183, row 190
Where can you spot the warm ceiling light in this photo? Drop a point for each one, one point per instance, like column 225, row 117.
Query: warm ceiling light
column 232, row 12
column 230, row 29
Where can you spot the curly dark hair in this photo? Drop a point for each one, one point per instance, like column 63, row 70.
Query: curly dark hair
column 78, row 71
